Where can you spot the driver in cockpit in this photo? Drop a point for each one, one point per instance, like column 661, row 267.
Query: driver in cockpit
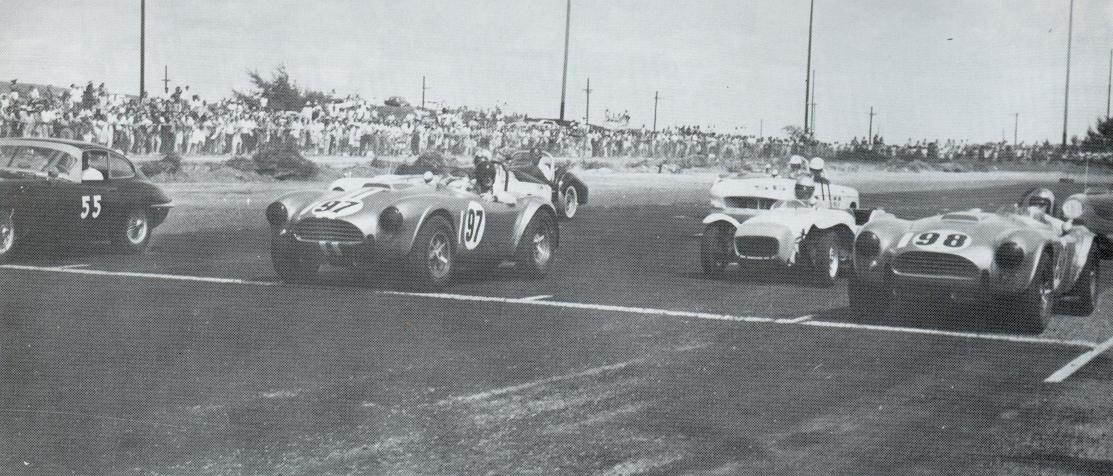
column 1040, row 204
column 485, row 175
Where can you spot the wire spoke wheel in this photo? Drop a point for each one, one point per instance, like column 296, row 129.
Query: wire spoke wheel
column 439, row 256
column 7, row 234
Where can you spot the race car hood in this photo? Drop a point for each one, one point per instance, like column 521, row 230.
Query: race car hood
column 362, row 206
column 972, row 234
column 796, row 221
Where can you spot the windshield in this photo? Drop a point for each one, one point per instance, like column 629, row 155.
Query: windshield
column 755, row 203
column 790, row 204
column 29, row 161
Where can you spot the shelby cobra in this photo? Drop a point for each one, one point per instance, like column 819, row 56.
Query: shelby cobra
column 538, row 173
column 790, row 233
column 429, row 225
column 54, row 192
column 1020, row 260
column 1097, row 216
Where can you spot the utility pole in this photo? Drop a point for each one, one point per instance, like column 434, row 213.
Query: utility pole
column 808, row 71
column 813, row 103
column 587, row 107
column 1016, row 125
column 761, row 128
column 1109, row 85
column 423, row 89
column 564, row 74
column 656, row 98
column 870, row 136
column 1066, row 93
column 166, row 79
column 142, row 44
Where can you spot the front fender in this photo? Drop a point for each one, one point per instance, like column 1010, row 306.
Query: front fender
column 723, row 217
column 569, row 178
column 532, row 208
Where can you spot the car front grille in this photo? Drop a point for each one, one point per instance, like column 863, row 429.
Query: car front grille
column 757, row 246
column 929, row 264
column 326, row 229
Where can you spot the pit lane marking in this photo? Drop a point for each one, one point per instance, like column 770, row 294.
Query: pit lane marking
column 1079, row 362
column 597, row 307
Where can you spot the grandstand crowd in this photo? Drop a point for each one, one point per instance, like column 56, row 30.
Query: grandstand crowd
column 184, row 123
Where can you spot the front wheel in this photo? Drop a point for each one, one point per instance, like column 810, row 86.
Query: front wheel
column 569, row 202
column 824, row 258
column 432, row 260
column 293, row 264
column 716, row 252
column 134, row 235
column 1084, row 296
column 535, row 250
column 7, row 236
column 1033, row 307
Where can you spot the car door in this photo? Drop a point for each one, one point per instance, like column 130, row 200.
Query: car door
column 93, row 199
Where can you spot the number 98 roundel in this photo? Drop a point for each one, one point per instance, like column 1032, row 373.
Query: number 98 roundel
column 941, row 240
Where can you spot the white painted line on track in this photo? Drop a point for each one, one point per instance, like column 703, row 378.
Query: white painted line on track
column 558, row 378
column 1079, row 362
column 795, row 320
column 538, row 297
column 72, row 266
column 597, row 307
column 126, row 274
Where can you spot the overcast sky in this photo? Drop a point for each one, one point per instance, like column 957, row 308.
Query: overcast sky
column 932, row 69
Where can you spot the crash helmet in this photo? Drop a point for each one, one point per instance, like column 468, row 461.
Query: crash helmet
column 805, row 188
column 1040, row 198
column 795, row 163
column 482, row 155
column 485, row 176
column 816, row 164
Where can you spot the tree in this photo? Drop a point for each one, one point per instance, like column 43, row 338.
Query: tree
column 281, row 93
column 1100, row 137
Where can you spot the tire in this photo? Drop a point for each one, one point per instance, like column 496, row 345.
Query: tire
column 1032, row 308
column 716, row 252
column 569, row 202
column 867, row 300
column 1083, row 297
column 431, row 263
column 134, row 234
column 536, row 248
column 291, row 263
column 823, row 258
column 7, row 236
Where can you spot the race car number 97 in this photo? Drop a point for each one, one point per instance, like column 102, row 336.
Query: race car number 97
column 943, row 239
column 472, row 224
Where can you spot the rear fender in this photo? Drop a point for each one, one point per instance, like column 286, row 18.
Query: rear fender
column 569, row 178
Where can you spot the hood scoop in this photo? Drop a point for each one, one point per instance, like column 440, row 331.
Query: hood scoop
column 966, row 217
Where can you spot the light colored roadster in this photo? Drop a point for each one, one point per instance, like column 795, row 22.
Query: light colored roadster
column 1097, row 216
column 1019, row 260
column 429, row 225
column 752, row 195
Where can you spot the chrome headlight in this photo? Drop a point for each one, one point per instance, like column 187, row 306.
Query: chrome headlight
column 277, row 214
column 867, row 245
column 390, row 220
column 1009, row 255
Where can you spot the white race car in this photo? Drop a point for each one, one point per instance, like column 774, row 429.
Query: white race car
column 751, row 195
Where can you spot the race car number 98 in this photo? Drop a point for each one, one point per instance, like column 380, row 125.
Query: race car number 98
column 472, row 224
column 944, row 239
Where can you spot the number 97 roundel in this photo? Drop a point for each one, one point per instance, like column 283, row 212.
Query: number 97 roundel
column 472, row 223
column 941, row 240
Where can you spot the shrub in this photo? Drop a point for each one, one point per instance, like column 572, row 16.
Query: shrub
column 241, row 163
column 169, row 164
column 283, row 161
column 150, row 168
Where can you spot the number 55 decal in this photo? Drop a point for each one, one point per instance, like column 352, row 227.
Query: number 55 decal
column 90, row 206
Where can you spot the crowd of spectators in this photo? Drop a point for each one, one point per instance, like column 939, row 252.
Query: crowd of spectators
column 353, row 126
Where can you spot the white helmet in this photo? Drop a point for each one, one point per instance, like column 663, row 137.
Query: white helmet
column 816, row 164
column 796, row 161
column 805, row 188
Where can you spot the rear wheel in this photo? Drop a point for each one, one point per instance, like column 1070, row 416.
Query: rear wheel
column 1083, row 298
column 824, row 257
column 7, row 236
column 716, row 252
column 569, row 201
column 535, row 249
column 292, row 263
column 431, row 262
column 135, row 233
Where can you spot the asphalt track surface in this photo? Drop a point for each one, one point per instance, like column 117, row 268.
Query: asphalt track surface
column 192, row 359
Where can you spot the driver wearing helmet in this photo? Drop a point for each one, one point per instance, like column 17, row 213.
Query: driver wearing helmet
column 486, row 175
column 805, row 189
column 796, row 166
column 1040, row 204
column 816, row 166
